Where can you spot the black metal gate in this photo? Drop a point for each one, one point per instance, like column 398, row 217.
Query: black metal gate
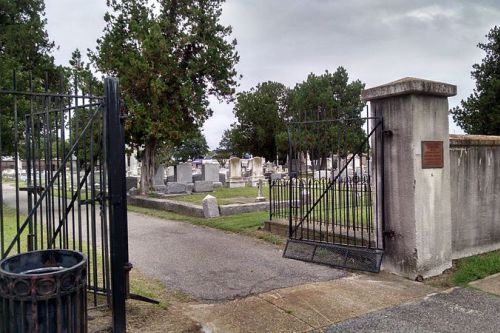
column 63, row 179
column 334, row 195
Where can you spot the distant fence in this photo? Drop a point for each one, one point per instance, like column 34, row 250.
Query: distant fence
column 475, row 194
column 343, row 206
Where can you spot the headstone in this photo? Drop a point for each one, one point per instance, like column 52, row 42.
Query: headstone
column 235, row 179
column 176, row 188
column 171, row 171
column 210, row 172
column 203, row 186
column 257, row 171
column 183, row 173
column 260, row 194
column 197, row 177
column 159, row 179
column 133, row 169
column 210, row 207
column 222, row 177
column 276, row 176
column 320, row 174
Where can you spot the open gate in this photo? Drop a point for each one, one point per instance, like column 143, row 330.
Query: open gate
column 334, row 192
column 63, row 179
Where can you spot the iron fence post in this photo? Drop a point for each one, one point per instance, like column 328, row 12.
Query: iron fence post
column 115, row 146
column 270, row 200
column 290, row 187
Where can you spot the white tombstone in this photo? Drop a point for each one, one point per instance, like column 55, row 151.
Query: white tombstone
column 257, row 170
column 210, row 172
column 133, row 166
column 260, row 194
column 235, row 179
column 210, row 207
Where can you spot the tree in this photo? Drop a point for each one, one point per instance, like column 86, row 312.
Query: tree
column 194, row 146
column 329, row 96
column 480, row 113
column 26, row 48
column 169, row 61
column 85, row 83
column 261, row 121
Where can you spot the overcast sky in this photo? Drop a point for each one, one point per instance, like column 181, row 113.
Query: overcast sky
column 377, row 41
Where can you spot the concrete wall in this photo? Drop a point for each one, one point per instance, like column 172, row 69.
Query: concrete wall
column 475, row 194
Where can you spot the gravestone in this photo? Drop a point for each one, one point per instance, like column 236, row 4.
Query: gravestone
column 170, row 174
column 183, row 173
column 257, row 170
column 321, row 174
column 235, row 179
column 176, row 188
column 133, row 166
column 260, row 194
column 210, row 207
column 159, row 179
column 210, row 173
column 203, row 186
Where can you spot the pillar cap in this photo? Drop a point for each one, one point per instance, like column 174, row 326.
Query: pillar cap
column 407, row 86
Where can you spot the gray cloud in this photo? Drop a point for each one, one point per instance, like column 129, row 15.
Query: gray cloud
column 284, row 40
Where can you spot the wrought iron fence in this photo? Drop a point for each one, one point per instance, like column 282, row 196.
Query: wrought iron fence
column 333, row 194
column 61, row 192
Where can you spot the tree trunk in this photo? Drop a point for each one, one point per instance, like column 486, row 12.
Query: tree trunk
column 148, row 167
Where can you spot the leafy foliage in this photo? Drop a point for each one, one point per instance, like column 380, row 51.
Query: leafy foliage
column 480, row 113
column 329, row 96
column 192, row 147
column 261, row 118
column 169, row 61
column 26, row 49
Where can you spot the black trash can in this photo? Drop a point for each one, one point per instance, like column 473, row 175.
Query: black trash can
column 43, row 292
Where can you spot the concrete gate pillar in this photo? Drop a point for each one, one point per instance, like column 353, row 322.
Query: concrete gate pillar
column 416, row 174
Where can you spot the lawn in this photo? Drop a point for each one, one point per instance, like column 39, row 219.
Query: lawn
column 10, row 230
column 247, row 224
column 476, row 267
column 225, row 195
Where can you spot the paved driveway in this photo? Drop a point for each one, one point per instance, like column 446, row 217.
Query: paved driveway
column 206, row 263
column 212, row 265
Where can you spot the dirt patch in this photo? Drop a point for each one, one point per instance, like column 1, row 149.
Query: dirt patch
column 443, row 281
column 168, row 316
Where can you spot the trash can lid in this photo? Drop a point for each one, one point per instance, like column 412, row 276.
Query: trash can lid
column 41, row 263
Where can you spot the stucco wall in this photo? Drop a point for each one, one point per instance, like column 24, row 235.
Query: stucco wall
column 475, row 194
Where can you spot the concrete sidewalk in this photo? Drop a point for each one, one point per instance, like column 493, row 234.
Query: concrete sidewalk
column 359, row 303
column 309, row 307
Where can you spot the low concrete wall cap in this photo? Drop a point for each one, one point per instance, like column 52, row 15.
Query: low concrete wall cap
column 461, row 140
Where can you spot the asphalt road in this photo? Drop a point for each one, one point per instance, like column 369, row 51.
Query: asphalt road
column 208, row 264
column 212, row 265
column 461, row 310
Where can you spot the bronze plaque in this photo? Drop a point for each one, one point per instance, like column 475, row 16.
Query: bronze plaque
column 432, row 154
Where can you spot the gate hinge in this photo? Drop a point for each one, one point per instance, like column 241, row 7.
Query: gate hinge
column 388, row 133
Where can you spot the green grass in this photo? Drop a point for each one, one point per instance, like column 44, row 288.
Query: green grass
column 475, row 268
column 233, row 223
column 248, row 224
column 10, row 229
column 224, row 195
